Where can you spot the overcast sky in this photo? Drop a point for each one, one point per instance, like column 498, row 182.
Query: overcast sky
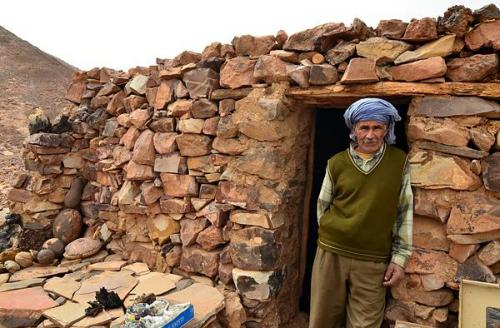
column 127, row 33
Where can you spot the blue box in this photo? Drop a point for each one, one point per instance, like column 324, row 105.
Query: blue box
column 183, row 318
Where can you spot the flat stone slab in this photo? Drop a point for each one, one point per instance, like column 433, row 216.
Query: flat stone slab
column 137, row 268
column 65, row 287
column 21, row 284
column 66, row 314
column 207, row 301
column 107, row 266
column 27, row 299
column 120, row 282
column 4, row 277
column 155, row 282
column 102, row 318
column 81, row 248
column 37, row 272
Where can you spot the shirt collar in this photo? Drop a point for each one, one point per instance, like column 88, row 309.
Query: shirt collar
column 376, row 156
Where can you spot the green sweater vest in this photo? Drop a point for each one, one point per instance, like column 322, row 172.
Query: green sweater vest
column 360, row 219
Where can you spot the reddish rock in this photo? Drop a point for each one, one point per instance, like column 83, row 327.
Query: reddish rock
column 45, row 257
column 67, row 225
column 411, row 289
column 164, row 142
column 212, row 50
column 230, row 193
column 200, row 261
column 178, row 185
column 248, row 45
column 226, row 273
column 490, row 254
column 482, row 138
column 486, row 13
column 429, row 234
column 144, row 150
column 462, row 252
column 190, row 125
column 322, row 74
column 180, row 107
column 474, row 269
column 23, row 307
column 392, row 28
column 443, row 131
column 164, row 94
column 150, row 192
column 360, row 70
column 270, row 69
column 419, row 70
column 210, row 238
column 82, row 248
column 139, row 117
column 484, row 35
column 75, row 91
column 238, row 72
column 226, row 107
column 456, row 20
column 133, row 102
column 160, row 227
column 230, row 146
column 341, row 52
column 491, row 172
column 473, row 68
column 193, row 144
column 173, row 257
column 208, row 191
column 204, row 108
column 175, row 205
column 164, row 124
column 130, row 137
column 473, row 219
column 316, row 38
column 170, row 163
column 188, row 57
column 201, row 82
column 139, row 172
column 115, row 105
column 254, row 248
column 444, row 106
column 210, row 126
column 300, row 75
column 439, row 264
column 421, row 30
column 190, row 230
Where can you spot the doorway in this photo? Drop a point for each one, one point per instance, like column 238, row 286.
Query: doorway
column 330, row 137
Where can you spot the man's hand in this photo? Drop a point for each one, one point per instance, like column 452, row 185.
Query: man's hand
column 393, row 275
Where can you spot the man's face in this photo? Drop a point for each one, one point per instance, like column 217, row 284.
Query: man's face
column 370, row 136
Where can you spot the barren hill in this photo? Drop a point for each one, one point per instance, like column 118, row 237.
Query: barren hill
column 29, row 78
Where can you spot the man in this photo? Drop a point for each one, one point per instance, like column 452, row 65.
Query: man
column 365, row 215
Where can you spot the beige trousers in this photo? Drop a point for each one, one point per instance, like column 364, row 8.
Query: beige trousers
column 346, row 292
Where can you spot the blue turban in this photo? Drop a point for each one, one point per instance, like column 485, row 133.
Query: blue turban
column 372, row 109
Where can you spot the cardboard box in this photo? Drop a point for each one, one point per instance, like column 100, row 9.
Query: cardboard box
column 479, row 305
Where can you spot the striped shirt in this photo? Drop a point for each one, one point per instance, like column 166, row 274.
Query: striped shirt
column 402, row 230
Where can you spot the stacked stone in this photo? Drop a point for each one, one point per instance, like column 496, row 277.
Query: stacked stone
column 180, row 166
column 454, row 160
column 189, row 184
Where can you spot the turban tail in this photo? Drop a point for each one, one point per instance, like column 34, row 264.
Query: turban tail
column 372, row 109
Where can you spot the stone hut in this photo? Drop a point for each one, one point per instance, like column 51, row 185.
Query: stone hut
column 209, row 164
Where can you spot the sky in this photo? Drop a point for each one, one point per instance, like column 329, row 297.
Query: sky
column 121, row 34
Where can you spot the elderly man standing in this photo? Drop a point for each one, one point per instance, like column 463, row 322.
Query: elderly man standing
column 365, row 215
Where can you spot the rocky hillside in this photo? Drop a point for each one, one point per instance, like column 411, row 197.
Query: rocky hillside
column 29, row 78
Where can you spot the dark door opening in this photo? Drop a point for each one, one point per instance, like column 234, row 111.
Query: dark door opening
column 332, row 136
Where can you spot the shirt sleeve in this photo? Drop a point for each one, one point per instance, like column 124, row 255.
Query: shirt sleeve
column 325, row 195
column 402, row 244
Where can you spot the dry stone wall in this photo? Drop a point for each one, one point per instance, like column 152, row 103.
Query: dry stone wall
column 454, row 144
column 177, row 166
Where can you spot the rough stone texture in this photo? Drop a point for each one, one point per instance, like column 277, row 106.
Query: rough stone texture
column 81, row 248
column 179, row 185
column 248, row 45
column 238, row 72
column 490, row 254
column 411, row 289
column 270, row 69
column 254, row 249
column 447, row 106
column 473, row 68
column 392, row 28
column 491, row 172
column 442, row 47
column 421, row 30
column 456, row 20
column 462, row 252
column 419, row 70
column 484, row 35
column 313, row 39
column 201, row 82
column 487, row 12
column 443, row 131
column 429, row 234
column 200, row 261
column 144, row 151
column 474, row 269
column 193, row 144
column 382, row 50
column 434, row 171
column 360, row 70
column 67, row 225
column 322, row 74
